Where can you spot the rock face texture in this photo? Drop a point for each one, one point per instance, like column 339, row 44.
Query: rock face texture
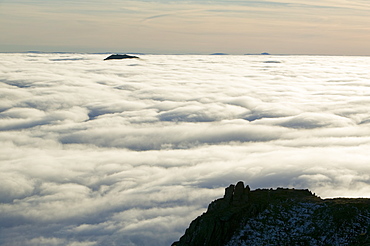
column 120, row 57
column 279, row 217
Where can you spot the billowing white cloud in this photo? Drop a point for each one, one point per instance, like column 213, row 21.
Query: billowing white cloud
column 100, row 152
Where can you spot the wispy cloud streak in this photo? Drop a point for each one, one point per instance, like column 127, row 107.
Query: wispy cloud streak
column 236, row 27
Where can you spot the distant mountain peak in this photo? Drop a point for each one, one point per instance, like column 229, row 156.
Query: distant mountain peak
column 219, row 54
column 117, row 56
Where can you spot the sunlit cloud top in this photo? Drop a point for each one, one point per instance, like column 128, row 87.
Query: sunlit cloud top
column 128, row 152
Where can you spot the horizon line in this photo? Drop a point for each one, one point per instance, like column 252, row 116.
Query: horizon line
column 189, row 53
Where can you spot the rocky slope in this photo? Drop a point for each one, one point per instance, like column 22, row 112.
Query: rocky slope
column 279, row 217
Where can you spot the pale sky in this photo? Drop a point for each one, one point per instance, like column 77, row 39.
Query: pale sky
column 334, row 27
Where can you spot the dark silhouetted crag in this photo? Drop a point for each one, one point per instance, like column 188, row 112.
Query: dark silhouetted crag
column 219, row 54
column 116, row 56
column 279, row 217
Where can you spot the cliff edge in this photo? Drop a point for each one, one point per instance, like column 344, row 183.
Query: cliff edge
column 279, row 217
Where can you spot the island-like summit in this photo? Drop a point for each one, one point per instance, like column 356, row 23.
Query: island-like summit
column 117, row 56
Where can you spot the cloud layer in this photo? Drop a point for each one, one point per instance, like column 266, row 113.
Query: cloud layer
column 100, row 152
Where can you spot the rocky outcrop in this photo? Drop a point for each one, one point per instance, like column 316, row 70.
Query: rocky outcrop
column 116, row 56
column 279, row 217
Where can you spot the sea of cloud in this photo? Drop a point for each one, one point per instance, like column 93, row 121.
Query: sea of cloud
column 129, row 152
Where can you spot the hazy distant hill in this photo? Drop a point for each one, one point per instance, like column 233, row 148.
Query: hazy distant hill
column 219, row 54
column 279, row 217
